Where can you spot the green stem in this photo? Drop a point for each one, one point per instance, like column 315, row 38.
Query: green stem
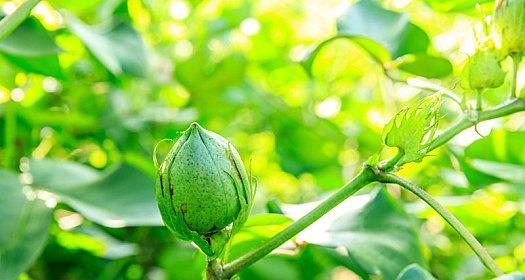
column 12, row 21
column 10, row 134
column 513, row 106
column 516, row 59
column 214, row 270
column 478, row 101
column 510, row 107
column 426, row 85
column 365, row 177
column 391, row 163
column 485, row 258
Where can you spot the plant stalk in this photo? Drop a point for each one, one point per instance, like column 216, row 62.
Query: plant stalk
column 9, row 23
column 428, row 85
column 479, row 101
column 214, row 270
column 516, row 59
column 510, row 107
column 365, row 177
column 389, row 164
column 368, row 175
column 465, row 234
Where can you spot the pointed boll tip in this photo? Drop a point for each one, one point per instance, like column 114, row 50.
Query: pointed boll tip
column 194, row 126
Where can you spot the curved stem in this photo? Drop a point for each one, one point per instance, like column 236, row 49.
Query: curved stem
column 513, row 106
column 12, row 21
column 391, row 163
column 425, row 84
column 420, row 82
column 365, row 177
column 485, row 258
column 516, row 59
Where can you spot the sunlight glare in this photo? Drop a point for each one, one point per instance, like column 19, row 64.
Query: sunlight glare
column 17, row 94
column 250, row 26
column 8, row 8
column 398, row 4
column 329, row 107
column 50, row 84
column 179, row 10
column 69, row 220
column 184, row 49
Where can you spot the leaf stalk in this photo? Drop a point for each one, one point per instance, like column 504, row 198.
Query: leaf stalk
column 9, row 23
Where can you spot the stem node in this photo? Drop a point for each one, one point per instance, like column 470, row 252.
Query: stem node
column 214, row 270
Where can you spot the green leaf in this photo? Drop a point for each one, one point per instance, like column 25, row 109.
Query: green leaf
column 384, row 34
column 512, row 276
column 7, row 74
column 30, row 39
column 9, row 23
column 380, row 237
column 80, row 8
column 373, row 48
column 501, row 145
column 392, row 30
column 483, row 215
column 415, row 272
column 315, row 260
column 24, row 229
column 92, row 239
column 70, row 120
column 412, row 128
column 273, row 267
column 182, row 262
column 61, row 174
column 454, row 5
column 424, row 65
column 294, row 140
column 496, row 158
column 120, row 49
column 32, row 48
column 46, row 65
column 475, row 178
column 255, row 232
column 505, row 171
column 121, row 196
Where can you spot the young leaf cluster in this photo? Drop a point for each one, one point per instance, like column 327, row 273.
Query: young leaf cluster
column 412, row 129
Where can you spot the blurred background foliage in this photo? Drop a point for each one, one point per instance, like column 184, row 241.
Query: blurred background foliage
column 88, row 88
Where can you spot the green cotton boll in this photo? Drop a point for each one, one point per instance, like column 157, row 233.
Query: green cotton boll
column 203, row 192
column 484, row 70
column 509, row 17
